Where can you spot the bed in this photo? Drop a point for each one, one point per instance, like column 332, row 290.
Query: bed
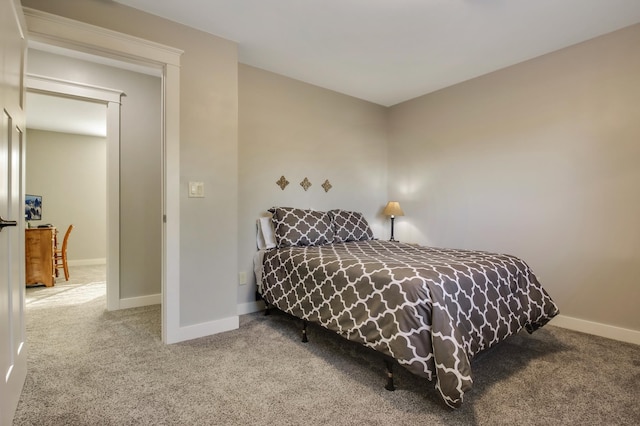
column 430, row 309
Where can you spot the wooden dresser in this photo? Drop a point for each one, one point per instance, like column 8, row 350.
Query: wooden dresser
column 39, row 251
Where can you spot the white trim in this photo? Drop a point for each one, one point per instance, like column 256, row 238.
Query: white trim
column 598, row 329
column 67, row 33
column 248, row 308
column 63, row 32
column 42, row 83
column 207, row 328
column 85, row 262
column 136, row 302
column 70, row 53
column 113, row 205
column 171, row 206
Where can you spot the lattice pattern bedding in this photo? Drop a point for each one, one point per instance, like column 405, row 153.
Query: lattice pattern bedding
column 430, row 309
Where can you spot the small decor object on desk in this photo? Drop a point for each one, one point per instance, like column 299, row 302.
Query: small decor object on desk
column 393, row 209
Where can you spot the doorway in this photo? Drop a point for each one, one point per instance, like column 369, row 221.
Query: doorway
column 134, row 163
column 65, row 165
column 60, row 32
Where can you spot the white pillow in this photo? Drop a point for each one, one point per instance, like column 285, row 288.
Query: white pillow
column 268, row 233
column 266, row 236
column 259, row 236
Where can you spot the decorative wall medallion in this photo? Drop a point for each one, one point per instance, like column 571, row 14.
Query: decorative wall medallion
column 305, row 184
column 326, row 185
column 282, row 182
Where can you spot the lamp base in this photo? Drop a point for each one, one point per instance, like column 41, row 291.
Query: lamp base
column 392, row 220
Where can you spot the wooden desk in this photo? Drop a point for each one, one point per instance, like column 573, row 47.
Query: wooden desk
column 39, row 256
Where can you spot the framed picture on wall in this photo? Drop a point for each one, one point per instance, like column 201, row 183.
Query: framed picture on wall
column 33, row 207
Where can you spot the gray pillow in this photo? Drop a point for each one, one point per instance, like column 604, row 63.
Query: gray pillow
column 349, row 226
column 298, row 227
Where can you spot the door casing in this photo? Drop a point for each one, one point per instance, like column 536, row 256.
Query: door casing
column 69, row 34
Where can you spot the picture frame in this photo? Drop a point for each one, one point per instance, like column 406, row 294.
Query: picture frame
column 33, row 207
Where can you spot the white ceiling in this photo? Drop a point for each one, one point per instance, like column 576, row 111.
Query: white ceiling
column 382, row 51
column 65, row 115
column 389, row 51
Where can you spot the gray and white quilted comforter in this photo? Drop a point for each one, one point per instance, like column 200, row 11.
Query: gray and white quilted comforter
column 430, row 309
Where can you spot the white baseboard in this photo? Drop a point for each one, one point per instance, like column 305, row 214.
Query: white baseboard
column 248, row 308
column 218, row 326
column 598, row 329
column 204, row 329
column 84, row 262
column 136, row 302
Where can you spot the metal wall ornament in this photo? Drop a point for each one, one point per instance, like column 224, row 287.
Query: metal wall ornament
column 326, row 185
column 305, row 184
column 282, row 182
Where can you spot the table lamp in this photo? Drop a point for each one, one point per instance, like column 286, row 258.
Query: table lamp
column 393, row 209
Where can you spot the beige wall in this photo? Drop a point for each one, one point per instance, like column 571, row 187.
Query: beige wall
column 297, row 130
column 69, row 171
column 539, row 160
column 208, row 150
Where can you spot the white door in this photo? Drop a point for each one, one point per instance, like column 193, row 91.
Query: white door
column 13, row 357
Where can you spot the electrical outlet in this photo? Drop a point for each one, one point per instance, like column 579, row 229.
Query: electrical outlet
column 242, row 278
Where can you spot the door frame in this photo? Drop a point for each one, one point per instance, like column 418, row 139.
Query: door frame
column 74, row 35
column 111, row 99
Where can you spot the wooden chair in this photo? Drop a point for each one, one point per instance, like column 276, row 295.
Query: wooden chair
column 60, row 258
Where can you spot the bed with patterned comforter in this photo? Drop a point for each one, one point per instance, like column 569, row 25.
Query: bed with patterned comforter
column 430, row 309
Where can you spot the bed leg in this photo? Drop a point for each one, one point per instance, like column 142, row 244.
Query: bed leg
column 304, row 332
column 267, row 310
column 389, row 365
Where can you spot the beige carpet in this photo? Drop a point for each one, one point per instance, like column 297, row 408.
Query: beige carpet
column 69, row 292
column 92, row 367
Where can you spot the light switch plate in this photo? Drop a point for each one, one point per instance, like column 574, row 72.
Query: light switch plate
column 196, row 189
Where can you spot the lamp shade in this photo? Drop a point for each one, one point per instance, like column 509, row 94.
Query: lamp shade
column 393, row 209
